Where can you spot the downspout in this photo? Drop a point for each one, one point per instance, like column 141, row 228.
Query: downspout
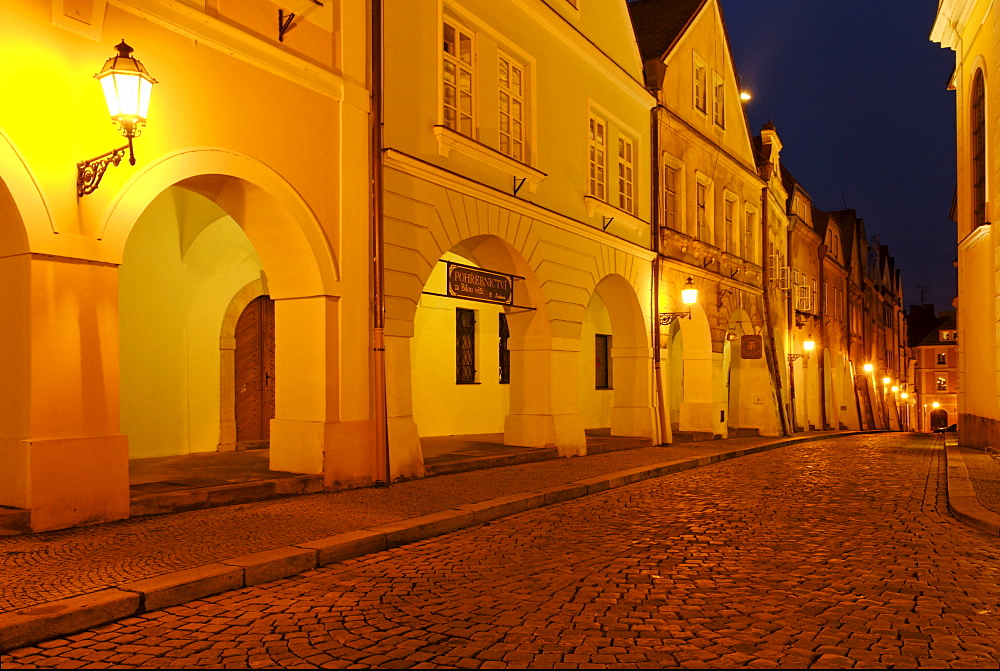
column 663, row 434
column 383, row 469
column 768, row 321
column 790, row 322
column 822, row 336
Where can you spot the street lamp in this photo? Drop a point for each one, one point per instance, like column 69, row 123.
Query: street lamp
column 127, row 88
column 689, row 296
column 868, row 367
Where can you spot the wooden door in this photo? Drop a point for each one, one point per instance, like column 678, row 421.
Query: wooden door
column 254, row 360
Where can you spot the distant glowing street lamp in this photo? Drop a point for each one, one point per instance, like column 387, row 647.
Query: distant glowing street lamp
column 894, row 389
column 886, row 380
column 935, row 405
column 745, row 96
column 127, row 88
column 869, row 368
column 904, row 396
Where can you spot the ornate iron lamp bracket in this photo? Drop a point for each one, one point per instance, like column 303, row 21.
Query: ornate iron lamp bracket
column 90, row 172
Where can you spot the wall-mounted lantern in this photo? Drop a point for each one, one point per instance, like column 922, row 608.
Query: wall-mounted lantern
column 689, row 296
column 127, row 88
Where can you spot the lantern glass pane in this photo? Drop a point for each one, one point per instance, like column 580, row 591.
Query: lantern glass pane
column 689, row 296
column 110, row 95
column 145, row 90
column 128, row 93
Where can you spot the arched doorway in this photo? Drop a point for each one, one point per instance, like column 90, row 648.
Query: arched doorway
column 253, row 380
column 938, row 419
column 691, row 377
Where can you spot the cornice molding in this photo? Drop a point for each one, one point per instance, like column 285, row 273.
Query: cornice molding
column 397, row 160
column 219, row 35
column 449, row 140
column 596, row 206
column 975, row 237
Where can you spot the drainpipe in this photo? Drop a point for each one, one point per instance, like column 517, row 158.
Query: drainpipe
column 768, row 321
column 383, row 470
column 663, row 433
column 790, row 322
column 822, row 334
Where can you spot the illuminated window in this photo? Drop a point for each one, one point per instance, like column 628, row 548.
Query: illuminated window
column 942, row 384
column 598, row 150
column 700, row 84
column 465, row 346
column 457, row 99
column 512, row 108
column 602, row 361
column 978, row 150
column 942, row 359
column 626, row 174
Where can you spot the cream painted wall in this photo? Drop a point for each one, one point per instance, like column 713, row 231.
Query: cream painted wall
column 595, row 404
column 440, row 406
column 184, row 262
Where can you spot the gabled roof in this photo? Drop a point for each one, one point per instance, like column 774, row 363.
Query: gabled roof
column 659, row 24
column 946, row 322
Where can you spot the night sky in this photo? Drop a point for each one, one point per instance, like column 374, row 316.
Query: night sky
column 858, row 95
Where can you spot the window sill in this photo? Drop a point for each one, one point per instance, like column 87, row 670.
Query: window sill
column 596, row 206
column 449, row 140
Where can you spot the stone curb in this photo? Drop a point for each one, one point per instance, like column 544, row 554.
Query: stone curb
column 962, row 499
column 69, row 616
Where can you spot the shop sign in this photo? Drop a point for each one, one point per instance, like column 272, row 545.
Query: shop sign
column 751, row 347
column 479, row 284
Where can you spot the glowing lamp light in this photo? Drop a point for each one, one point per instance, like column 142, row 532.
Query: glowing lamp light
column 869, row 368
column 894, row 389
column 809, row 345
column 689, row 294
column 935, row 404
column 886, row 380
column 904, row 396
column 127, row 87
column 745, row 96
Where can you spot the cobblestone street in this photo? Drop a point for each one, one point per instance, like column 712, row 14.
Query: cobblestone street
column 831, row 554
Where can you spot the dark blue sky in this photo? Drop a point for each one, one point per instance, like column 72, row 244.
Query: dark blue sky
column 858, row 94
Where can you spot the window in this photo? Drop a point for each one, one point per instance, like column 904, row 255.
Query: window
column 465, row 346
column 942, row 359
column 504, row 352
column 942, row 384
column 749, row 226
column 719, row 102
column 626, row 174
column 730, row 215
column 945, row 335
column 671, row 187
column 700, row 84
column 978, row 150
column 598, row 145
column 602, row 361
column 701, row 210
column 458, row 78
column 511, row 108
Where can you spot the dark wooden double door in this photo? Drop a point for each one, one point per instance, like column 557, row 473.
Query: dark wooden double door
column 254, row 359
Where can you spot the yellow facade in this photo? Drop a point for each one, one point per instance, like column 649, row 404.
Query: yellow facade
column 970, row 28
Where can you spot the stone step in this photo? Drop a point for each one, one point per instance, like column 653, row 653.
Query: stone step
column 223, row 495
column 692, row 436
column 615, row 443
column 490, row 461
column 743, row 433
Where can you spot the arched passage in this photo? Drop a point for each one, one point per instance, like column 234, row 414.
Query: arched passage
column 691, row 361
column 615, row 362
column 227, row 219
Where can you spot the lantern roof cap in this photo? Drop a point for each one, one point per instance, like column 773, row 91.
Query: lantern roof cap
column 124, row 63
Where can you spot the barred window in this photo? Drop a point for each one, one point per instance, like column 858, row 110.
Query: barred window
column 504, row 352
column 465, row 346
column 602, row 361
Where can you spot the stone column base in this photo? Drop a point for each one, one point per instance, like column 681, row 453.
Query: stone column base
column 406, row 460
column 66, row 482
column 564, row 432
column 638, row 422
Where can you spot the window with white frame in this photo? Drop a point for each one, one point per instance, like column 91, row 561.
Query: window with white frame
column 700, row 75
column 457, row 79
column 597, row 158
column 719, row 101
column 512, row 108
column 626, row 174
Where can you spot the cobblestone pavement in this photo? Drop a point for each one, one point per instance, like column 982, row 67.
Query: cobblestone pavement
column 44, row 567
column 830, row 554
